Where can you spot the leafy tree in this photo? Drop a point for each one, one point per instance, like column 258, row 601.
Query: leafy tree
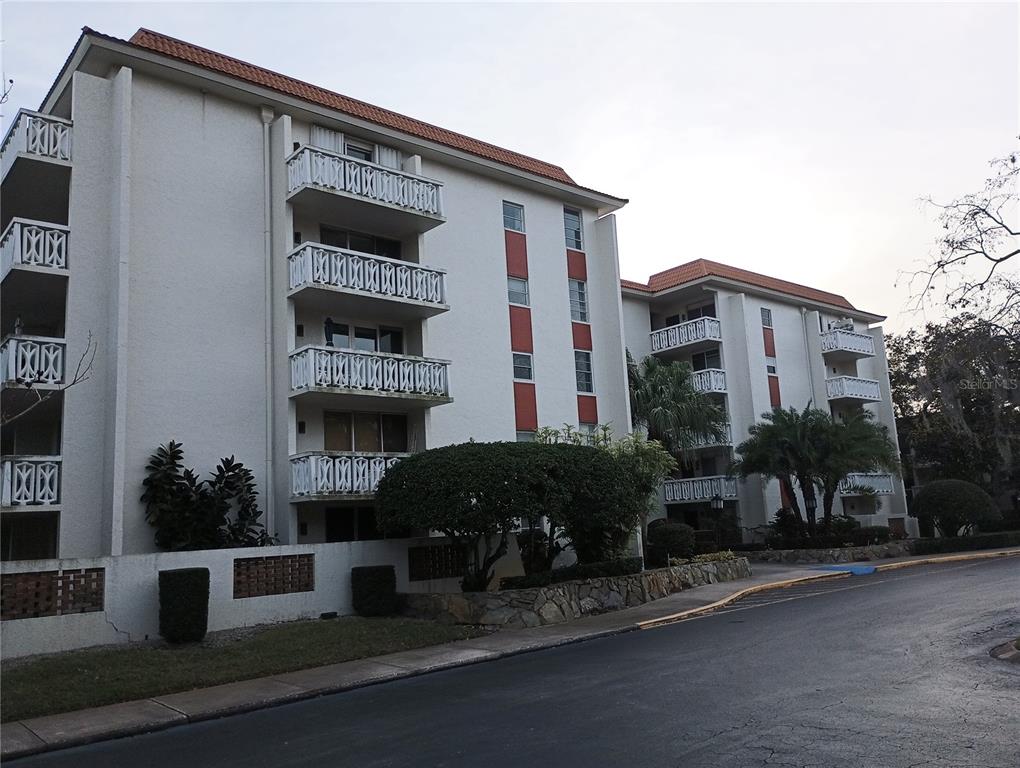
column 645, row 463
column 189, row 513
column 956, row 398
column 664, row 402
column 954, row 506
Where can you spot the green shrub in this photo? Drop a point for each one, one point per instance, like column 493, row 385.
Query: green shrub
column 624, row 566
column 954, row 506
column 842, row 525
column 871, row 534
column 184, row 604
column 786, row 525
column 678, row 539
column 374, row 590
column 967, row 543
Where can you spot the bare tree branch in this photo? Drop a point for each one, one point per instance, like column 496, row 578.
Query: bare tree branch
column 82, row 371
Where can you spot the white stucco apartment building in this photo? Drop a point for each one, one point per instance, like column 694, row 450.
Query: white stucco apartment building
column 756, row 342
column 272, row 271
column 261, row 268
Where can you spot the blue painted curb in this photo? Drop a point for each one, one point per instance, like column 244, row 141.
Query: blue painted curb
column 856, row 570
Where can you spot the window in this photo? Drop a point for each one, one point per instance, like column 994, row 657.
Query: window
column 582, row 369
column 588, row 432
column 525, row 437
column 766, row 317
column 522, row 366
column 572, row 229
column 513, row 216
column 517, row 290
column 705, row 310
column 391, row 340
column 770, row 365
column 579, row 300
column 359, row 151
column 365, row 340
column 337, row 334
column 710, row 359
column 359, row 241
column 368, row 432
column 672, row 320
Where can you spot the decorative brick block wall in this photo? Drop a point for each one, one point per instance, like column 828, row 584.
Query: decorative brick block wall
column 51, row 593
column 280, row 575
column 427, row 563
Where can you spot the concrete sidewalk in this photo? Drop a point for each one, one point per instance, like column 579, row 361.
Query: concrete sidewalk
column 74, row 728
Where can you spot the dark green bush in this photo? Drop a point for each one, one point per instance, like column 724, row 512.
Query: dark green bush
column 842, row 525
column 374, row 590
column 534, row 547
column 870, row 534
column 670, row 539
column 184, row 604
column 619, row 567
column 954, row 505
column 786, row 525
column 967, row 543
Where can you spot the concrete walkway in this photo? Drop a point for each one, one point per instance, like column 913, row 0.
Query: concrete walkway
column 73, row 728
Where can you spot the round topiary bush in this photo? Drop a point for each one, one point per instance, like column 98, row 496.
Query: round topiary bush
column 952, row 505
column 670, row 539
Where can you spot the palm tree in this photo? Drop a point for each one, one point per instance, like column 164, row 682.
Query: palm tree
column 779, row 447
column 664, row 402
column 857, row 444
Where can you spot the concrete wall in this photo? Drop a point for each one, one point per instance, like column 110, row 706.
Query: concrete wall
column 132, row 593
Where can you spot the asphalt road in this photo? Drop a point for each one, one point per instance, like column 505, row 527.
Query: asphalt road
column 886, row 671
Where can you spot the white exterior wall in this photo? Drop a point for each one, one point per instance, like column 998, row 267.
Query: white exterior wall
column 131, row 601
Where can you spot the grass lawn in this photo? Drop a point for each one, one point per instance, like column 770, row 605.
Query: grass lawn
column 91, row 678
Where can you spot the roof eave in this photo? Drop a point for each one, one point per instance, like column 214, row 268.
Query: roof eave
column 90, row 39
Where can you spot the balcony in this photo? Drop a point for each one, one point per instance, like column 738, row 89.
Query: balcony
column 333, row 475
column 709, row 380
column 35, row 167
column 841, row 344
column 30, row 481
column 867, row 484
column 853, row 388
column 405, row 381
column 372, row 287
column 380, row 199
column 35, row 361
column 690, row 336
column 704, row 441
column 693, row 489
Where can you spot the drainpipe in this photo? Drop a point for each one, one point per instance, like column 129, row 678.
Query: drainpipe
column 267, row 232
column 807, row 354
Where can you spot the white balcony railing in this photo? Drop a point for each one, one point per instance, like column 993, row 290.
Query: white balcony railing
column 848, row 341
column 710, row 380
column 323, row 265
column 683, row 334
column 880, row 483
column 36, row 134
column 309, row 166
column 29, row 481
column 852, row 388
column 704, row 441
column 330, row 473
column 32, row 360
column 371, row 372
column 27, row 243
column 700, row 489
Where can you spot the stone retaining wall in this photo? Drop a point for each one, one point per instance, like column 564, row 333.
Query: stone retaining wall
column 571, row 599
column 835, row 555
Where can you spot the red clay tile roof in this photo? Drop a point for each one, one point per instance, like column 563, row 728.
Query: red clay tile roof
column 696, row 270
column 227, row 65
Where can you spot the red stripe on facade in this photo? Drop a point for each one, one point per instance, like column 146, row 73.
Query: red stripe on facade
column 774, row 391
column 587, row 409
column 770, row 341
column 577, row 265
column 516, row 254
column 525, row 406
column 582, row 335
column 520, row 329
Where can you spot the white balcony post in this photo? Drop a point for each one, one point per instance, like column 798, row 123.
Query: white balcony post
column 690, row 332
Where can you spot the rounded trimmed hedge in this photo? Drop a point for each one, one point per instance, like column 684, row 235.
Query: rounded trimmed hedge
column 953, row 504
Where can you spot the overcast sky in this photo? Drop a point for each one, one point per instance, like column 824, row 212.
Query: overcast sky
column 793, row 140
